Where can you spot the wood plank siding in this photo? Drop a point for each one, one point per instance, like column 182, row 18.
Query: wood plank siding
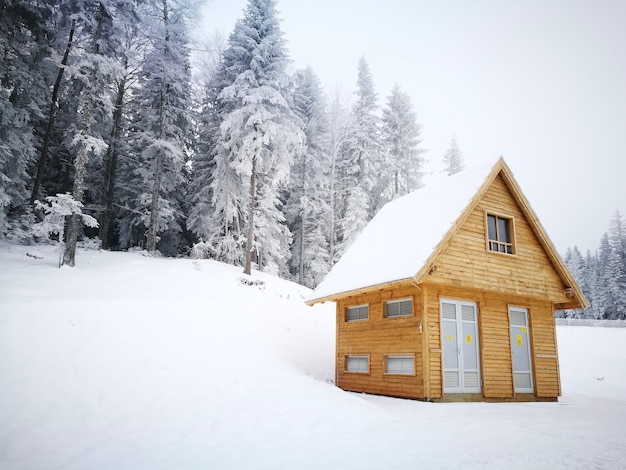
column 464, row 270
column 378, row 337
column 466, row 261
column 495, row 342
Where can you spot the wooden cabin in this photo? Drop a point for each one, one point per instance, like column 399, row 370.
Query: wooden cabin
column 449, row 294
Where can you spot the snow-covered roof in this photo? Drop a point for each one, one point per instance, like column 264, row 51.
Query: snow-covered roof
column 396, row 243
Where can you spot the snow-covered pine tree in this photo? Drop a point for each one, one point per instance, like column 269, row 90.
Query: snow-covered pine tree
column 338, row 123
column 200, row 221
column 154, row 181
column 617, row 236
column 25, row 31
column 615, row 274
column 65, row 18
column 128, row 53
column 259, row 134
column 361, row 161
column 94, row 70
column 307, row 209
column 615, row 285
column 591, row 264
column 603, row 297
column 576, row 264
column 453, row 158
column 602, row 275
column 400, row 135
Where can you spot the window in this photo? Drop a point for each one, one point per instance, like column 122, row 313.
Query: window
column 399, row 308
column 357, row 313
column 500, row 234
column 358, row 364
column 403, row 365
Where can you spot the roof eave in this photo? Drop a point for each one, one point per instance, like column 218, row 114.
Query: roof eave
column 361, row 290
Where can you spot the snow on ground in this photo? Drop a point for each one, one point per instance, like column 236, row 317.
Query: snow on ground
column 130, row 362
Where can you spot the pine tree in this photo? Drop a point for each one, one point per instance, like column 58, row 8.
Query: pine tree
column 577, row 267
column 363, row 149
column 360, row 162
column 307, row 208
column 25, row 51
column 94, row 70
column 127, row 53
column 616, row 267
column 338, row 123
column 400, row 134
column 617, row 236
column 155, row 178
column 200, row 221
column 453, row 158
column 258, row 136
column 602, row 275
column 603, row 298
column 591, row 263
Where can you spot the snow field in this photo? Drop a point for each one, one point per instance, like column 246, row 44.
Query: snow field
column 130, row 362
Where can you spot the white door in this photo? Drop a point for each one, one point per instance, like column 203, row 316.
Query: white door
column 520, row 350
column 461, row 365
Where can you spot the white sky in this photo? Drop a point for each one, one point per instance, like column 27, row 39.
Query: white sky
column 540, row 82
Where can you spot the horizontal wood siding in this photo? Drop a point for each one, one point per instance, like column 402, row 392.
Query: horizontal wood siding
column 433, row 339
column 466, row 261
column 545, row 351
column 465, row 270
column 378, row 337
column 495, row 341
column 493, row 325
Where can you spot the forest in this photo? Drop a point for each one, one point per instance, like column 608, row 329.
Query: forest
column 601, row 275
column 109, row 135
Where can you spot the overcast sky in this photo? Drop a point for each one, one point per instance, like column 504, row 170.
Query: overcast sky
column 540, row 82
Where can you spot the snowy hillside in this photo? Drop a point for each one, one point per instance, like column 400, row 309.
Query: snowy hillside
column 129, row 362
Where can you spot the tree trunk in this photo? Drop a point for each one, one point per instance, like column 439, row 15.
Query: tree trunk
column 303, row 214
column 80, row 163
column 250, row 236
column 110, row 175
column 80, row 167
column 151, row 237
column 41, row 164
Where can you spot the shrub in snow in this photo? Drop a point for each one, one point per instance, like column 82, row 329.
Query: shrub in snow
column 59, row 207
column 252, row 282
column 20, row 229
column 92, row 244
column 201, row 250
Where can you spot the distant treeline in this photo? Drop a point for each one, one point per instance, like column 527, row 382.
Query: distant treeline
column 601, row 275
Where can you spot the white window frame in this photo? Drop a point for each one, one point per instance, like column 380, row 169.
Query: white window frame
column 397, row 301
column 408, row 358
column 355, row 307
column 360, row 357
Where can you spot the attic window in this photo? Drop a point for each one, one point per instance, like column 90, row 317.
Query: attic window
column 500, row 234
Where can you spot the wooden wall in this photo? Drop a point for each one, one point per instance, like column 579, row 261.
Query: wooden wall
column 545, row 351
column 379, row 337
column 464, row 270
column 466, row 262
column 495, row 343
